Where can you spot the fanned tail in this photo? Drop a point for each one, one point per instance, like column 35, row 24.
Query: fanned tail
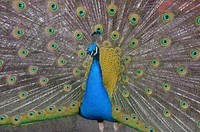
column 150, row 60
column 159, row 87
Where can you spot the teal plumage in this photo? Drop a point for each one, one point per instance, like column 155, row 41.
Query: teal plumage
column 133, row 62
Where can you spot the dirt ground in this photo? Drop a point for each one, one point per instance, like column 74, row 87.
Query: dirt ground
column 66, row 124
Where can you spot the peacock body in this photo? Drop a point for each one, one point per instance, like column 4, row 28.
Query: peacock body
column 134, row 62
column 96, row 92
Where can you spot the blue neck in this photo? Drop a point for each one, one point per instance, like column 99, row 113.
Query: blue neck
column 95, row 77
column 96, row 104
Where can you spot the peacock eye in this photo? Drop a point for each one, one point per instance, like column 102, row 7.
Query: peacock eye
column 195, row 54
column 81, row 12
column 133, row 43
column 139, row 72
column 50, row 108
column 124, row 117
column 116, row 109
column 145, row 126
column 78, row 35
column 43, row 81
column 155, row 63
column 32, row 70
column 165, row 41
column 148, row 91
column 134, row 117
column 125, row 78
column 52, row 46
column 81, row 53
column 19, row 5
column 98, row 28
column 184, row 104
column 167, row 17
column 32, row 113
column 18, row 32
column 134, row 19
column 50, row 30
column 59, row 109
column 166, row 112
column 76, row 71
column 16, row 119
column 125, row 93
column 115, row 35
column 24, row 52
column 166, row 86
column 151, row 129
column 127, row 59
column 2, row 118
column 111, row 9
column 23, row 94
column 11, row 80
column 118, row 50
column 67, row 87
column 182, row 70
column 53, row 6
column 74, row 104
column 61, row 62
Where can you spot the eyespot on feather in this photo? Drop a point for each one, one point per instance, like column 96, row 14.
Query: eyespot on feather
column 53, row 6
column 81, row 12
column 111, row 10
column 19, row 5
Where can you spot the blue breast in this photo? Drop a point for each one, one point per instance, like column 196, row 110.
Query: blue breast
column 96, row 104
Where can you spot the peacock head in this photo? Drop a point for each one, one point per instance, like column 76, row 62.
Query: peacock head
column 92, row 51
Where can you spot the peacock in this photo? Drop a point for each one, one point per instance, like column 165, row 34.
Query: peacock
column 133, row 63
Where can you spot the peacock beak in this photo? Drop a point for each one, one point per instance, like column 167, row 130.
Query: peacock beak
column 88, row 57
